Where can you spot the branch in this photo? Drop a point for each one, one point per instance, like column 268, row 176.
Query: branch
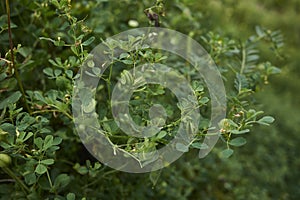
column 12, row 64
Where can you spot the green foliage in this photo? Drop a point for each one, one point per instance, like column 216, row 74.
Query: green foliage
column 41, row 156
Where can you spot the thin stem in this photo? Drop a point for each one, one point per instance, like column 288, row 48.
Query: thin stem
column 10, row 37
column 100, row 178
column 109, row 76
column 7, row 61
column 45, row 111
column 19, row 181
column 109, row 82
column 12, row 65
column 62, row 111
column 243, row 59
column 49, row 179
column 7, row 180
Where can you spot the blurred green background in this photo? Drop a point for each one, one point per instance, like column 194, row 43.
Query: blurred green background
column 270, row 162
column 268, row 166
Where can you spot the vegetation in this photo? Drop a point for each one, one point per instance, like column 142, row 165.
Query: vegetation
column 45, row 43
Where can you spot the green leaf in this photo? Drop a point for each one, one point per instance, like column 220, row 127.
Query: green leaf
column 71, row 196
column 69, row 73
column 13, row 98
column 39, row 96
column 259, row 31
column 224, row 123
column 226, row 153
column 40, row 169
column 57, row 72
column 273, row 70
column 266, row 120
column 197, row 86
column 61, row 181
column 30, row 178
column 89, row 107
column 124, row 55
column 204, row 100
column 45, row 130
column 3, row 76
column 25, row 136
column 54, row 63
column 57, row 141
column 47, row 162
column 97, row 165
column 62, row 82
column 239, row 141
column 24, row 120
column 96, row 71
column 2, row 134
column 181, row 147
column 240, row 131
column 10, row 128
column 241, row 82
column 199, row 145
column 59, row 43
column 25, row 51
column 81, row 169
column 161, row 134
column 48, row 142
column 90, row 63
column 88, row 41
column 154, row 176
column 127, row 62
column 252, row 114
column 74, row 50
column 38, row 142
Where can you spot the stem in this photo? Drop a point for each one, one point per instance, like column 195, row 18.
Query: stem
column 10, row 37
column 243, row 59
column 108, row 81
column 7, row 180
column 68, row 115
column 99, row 179
column 13, row 66
column 49, row 179
column 7, row 61
column 19, row 181
column 60, row 111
